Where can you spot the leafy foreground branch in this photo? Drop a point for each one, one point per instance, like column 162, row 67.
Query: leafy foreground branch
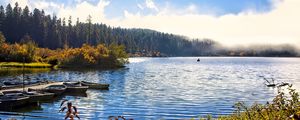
column 283, row 107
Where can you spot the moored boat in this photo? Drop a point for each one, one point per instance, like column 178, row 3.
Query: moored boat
column 95, row 85
column 75, row 87
column 11, row 101
column 34, row 96
column 17, row 84
column 56, row 89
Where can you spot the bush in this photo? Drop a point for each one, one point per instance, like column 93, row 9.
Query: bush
column 282, row 107
column 93, row 56
column 98, row 56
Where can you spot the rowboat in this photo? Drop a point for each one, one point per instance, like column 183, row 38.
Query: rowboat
column 34, row 96
column 95, row 85
column 56, row 89
column 16, row 84
column 11, row 101
column 75, row 87
column 40, row 96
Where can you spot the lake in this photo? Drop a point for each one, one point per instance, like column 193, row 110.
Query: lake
column 168, row 88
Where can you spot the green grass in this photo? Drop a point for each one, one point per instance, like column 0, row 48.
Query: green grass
column 26, row 65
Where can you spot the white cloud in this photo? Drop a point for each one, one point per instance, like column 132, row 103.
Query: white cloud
column 140, row 6
column 280, row 25
column 48, row 7
column 78, row 1
column 150, row 4
column 22, row 3
column 83, row 9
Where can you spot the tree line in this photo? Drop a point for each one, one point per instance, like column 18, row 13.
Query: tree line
column 52, row 32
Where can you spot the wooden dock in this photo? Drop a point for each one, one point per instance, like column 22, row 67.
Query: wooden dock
column 33, row 87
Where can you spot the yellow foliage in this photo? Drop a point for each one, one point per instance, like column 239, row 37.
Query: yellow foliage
column 87, row 55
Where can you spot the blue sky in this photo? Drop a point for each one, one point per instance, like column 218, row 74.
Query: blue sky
column 218, row 7
column 231, row 22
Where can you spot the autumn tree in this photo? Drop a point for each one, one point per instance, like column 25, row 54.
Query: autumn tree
column 30, row 48
column 2, row 38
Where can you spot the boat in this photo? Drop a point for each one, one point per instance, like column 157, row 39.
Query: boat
column 16, row 84
column 34, row 96
column 95, row 85
column 11, row 101
column 56, row 89
column 75, row 87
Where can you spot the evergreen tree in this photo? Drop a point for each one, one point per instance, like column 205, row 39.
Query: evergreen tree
column 2, row 18
column 8, row 22
column 89, row 21
column 53, row 32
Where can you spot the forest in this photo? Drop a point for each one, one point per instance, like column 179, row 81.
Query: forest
column 52, row 32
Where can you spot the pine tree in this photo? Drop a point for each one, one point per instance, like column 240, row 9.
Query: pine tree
column 53, row 32
column 2, row 18
column 8, row 23
column 89, row 29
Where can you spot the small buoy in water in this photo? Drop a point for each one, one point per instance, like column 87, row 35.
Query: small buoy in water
column 198, row 60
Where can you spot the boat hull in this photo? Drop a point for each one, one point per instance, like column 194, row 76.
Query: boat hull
column 13, row 103
column 56, row 89
column 77, row 89
column 95, row 85
column 41, row 97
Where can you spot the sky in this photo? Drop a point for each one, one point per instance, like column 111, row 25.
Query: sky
column 230, row 22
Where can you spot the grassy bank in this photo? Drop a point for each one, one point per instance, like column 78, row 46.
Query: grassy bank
column 26, row 65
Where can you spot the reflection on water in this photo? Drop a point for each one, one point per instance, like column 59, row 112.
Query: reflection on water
column 171, row 88
column 19, row 71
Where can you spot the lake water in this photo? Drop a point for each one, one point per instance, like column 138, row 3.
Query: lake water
column 169, row 88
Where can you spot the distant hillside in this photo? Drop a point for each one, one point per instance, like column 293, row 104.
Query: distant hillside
column 52, row 32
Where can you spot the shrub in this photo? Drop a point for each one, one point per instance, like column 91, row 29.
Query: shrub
column 281, row 108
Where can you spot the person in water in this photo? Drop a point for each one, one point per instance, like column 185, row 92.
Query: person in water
column 70, row 113
column 198, row 60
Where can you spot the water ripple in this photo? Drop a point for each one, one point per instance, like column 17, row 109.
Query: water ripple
column 172, row 88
